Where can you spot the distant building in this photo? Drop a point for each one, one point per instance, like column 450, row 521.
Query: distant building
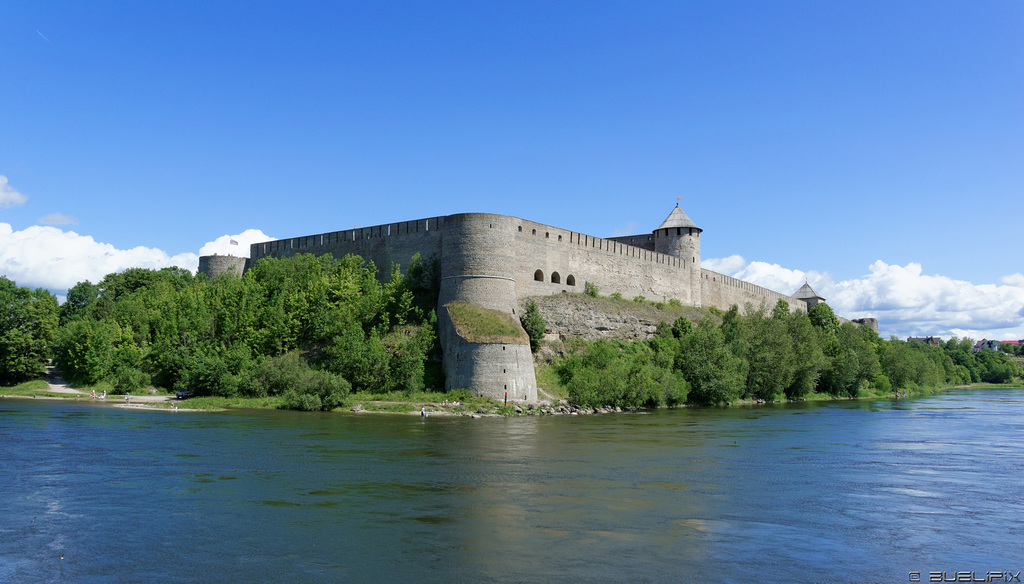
column 994, row 345
column 930, row 341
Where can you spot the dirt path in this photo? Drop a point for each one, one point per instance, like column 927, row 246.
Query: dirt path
column 55, row 380
column 56, row 384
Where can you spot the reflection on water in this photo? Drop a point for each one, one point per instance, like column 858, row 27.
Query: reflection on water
column 834, row 492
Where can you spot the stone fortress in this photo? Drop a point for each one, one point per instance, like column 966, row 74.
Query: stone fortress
column 498, row 261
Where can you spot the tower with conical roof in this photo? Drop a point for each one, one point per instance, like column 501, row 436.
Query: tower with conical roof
column 808, row 295
column 679, row 236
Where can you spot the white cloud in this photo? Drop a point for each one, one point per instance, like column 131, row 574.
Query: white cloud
column 729, row 265
column 222, row 245
column 59, row 219
column 905, row 301
column 1013, row 280
column 8, row 196
column 50, row 258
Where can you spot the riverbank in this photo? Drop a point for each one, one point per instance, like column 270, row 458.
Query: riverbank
column 430, row 403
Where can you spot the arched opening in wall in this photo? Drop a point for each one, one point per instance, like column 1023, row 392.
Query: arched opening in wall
column 555, row 278
column 538, row 276
column 534, row 232
column 520, row 229
column 547, row 234
column 559, row 238
column 570, row 280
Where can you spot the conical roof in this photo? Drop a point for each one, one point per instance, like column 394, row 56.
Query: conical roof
column 805, row 292
column 677, row 218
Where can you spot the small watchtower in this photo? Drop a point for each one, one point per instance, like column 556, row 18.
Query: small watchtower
column 808, row 295
column 679, row 236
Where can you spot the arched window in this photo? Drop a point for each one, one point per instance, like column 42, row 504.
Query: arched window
column 570, row 281
column 538, row 276
column 555, row 278
column 534, row 232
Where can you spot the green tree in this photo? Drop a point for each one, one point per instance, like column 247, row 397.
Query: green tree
column 809, row 358
column 84, row 350
column 770, row 356
column 79, row 298
column 534, row 325
column 821, row 316
column 853, row 362
column 28, row 325
column 715, row 375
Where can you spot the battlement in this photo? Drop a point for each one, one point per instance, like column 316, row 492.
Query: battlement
column 306, row 243
column 723, row 291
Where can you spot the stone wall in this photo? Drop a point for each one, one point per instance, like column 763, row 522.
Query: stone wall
column 723, row 291
column 551, row 253
column 381, row 244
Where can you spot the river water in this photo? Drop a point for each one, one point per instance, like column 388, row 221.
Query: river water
column 865, row 491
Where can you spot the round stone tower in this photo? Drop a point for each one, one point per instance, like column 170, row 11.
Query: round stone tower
column 215, row 265
column 478, row 268
column 478, row 261
column 679, row 236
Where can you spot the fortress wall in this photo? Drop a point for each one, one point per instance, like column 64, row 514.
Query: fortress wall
column 382, row 244
column 607, row 263
column 723, row 291
column 642, row 240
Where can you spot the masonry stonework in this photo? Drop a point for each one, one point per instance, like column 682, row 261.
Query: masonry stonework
column 495, row 261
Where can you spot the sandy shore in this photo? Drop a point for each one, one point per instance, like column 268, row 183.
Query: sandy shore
column 56, row 384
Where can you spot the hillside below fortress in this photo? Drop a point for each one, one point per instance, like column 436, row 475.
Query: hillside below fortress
column 497, row 261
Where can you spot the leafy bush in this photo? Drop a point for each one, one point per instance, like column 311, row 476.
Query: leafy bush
column 626, row 375
column 590, row 289
column 534, row 325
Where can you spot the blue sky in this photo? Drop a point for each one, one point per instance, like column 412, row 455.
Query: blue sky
column 872, row 148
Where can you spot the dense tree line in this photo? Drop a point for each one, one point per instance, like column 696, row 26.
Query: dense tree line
column 767, row 356
column 28, row 325
column 311, row 329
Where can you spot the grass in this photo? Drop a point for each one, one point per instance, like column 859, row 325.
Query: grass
column 548, row 379
column 217, row 403
column 397, row 401
column 32, row 388
column 32, row 384
column 483, row 325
